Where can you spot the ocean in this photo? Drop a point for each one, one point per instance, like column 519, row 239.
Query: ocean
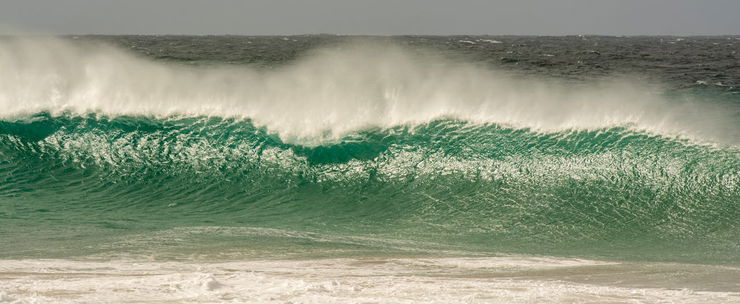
column 345, row 169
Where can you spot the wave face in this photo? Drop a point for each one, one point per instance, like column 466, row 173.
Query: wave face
column 483, row 187
column 102, row 151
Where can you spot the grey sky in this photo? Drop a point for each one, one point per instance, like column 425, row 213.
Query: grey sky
column 382, row 17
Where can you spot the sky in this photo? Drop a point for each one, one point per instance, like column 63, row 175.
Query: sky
column 372, row 17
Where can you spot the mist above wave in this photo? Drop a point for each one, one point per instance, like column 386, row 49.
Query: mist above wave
column 333, row 91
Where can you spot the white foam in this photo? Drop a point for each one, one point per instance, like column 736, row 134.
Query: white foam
column 332, row 92
column 440, row 280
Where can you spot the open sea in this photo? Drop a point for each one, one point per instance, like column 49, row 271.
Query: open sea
column 341, row 169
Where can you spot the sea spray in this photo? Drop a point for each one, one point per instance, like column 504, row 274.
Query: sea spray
column 332, row 92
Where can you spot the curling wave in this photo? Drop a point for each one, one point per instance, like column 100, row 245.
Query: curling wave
column 361, row 142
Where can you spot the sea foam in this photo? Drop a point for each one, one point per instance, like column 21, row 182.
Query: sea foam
column 405, row 280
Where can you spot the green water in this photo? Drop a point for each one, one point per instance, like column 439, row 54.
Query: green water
column 80, row 185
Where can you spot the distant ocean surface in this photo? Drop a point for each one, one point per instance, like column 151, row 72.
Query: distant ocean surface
column 339, row 169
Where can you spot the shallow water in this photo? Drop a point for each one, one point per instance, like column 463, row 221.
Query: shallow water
column 375, row 280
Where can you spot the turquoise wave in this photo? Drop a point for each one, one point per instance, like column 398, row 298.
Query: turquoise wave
column 446, row 184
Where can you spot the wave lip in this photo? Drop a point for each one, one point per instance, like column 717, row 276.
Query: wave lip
column 334, row 92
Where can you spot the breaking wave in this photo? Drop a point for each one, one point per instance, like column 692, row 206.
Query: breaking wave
column 365, row 140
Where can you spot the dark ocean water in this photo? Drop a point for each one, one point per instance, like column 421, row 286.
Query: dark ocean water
column 616, row 148
column 680, row 62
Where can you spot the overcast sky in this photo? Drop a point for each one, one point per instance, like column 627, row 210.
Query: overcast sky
column 378, row 17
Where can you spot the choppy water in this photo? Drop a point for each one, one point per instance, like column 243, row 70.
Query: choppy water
column 621, row 150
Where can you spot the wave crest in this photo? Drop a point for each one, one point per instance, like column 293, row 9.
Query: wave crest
column 334, row 91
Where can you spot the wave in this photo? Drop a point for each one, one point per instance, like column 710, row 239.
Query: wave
column 332, row 92
column 489, row 186
column 360, row 142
